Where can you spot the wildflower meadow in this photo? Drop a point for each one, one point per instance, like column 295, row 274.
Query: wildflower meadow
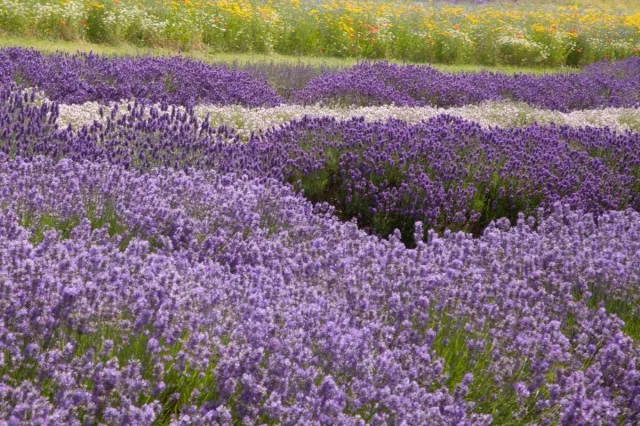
column 486, row 32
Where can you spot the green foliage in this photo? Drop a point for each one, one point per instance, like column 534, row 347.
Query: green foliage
column 452, row 345
column 97, row 30
column 623, row 306
column 99, row 217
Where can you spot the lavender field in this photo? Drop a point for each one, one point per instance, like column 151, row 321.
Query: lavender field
column 189, row 244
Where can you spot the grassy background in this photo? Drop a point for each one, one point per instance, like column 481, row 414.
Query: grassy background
column 123, row 49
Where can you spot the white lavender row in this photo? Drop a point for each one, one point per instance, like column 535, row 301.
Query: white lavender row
column 130, row 298
column 500, row 114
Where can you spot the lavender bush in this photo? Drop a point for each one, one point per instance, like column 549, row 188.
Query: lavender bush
column 205, row 298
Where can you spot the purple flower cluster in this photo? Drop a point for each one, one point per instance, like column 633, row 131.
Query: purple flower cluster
column 445, row 172
column 89, row 77
column 202, row 298
column 379, row 83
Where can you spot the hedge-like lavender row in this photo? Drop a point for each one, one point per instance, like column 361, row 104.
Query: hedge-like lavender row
column 200, row 298
column 88, row 77
column 446, row 172
column 450, row 173
column 600, row 85
column 81, row 78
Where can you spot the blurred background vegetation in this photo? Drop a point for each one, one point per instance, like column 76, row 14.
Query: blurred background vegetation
column 522, row 33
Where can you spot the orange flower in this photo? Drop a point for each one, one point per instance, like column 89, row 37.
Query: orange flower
column 350, row 35
column 456, row 27
column 63, row 22
column 609, row 40
column 636, row 50
column 553, row 27
column 430, row 41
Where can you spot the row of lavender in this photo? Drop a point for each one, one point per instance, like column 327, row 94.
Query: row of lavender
column 200, row 298
column 446, row 172
column 81, row 78
column 247, row 120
